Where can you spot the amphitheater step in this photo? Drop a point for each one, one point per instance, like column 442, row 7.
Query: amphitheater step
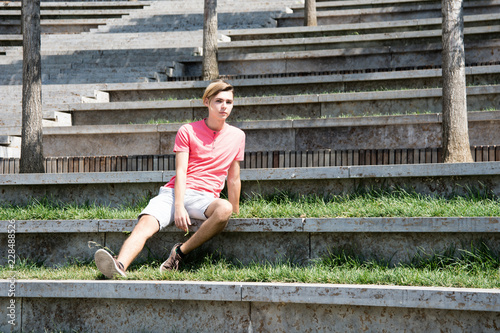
column 388, row 13
column 245, row 307
column 255, row 160
column 341, row 59
column 354, row 28
column 394, row 240
column 114, row 188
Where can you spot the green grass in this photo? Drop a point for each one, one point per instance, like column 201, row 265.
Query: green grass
column 397, row 203
column 476, row 268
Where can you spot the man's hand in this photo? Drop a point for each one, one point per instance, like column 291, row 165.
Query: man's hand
column 182, row 220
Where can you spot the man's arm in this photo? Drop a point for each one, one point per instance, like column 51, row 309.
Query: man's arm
column 234, row 186
column 182, row 220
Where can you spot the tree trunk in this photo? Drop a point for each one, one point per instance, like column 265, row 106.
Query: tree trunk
column 456, row 146
column 210, row 65
column 310, row 13
column 32, row 160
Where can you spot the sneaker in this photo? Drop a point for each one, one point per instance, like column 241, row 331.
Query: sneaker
column 108, row 265
column 173, row 261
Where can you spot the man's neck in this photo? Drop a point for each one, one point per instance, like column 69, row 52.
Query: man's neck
column 214, row 125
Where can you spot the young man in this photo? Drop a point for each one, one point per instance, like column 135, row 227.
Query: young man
column 207, row 151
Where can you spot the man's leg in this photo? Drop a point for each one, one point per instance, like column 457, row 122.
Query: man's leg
column 218, row 213
column 145, row 229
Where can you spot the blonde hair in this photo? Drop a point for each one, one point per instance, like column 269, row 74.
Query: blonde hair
column 216, row 87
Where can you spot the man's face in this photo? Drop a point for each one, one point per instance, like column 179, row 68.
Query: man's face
column 221, row 105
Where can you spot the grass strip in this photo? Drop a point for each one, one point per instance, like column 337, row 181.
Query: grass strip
column 475, row 268
column 395, row 203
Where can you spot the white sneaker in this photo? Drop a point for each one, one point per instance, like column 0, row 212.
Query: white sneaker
column 108, row 265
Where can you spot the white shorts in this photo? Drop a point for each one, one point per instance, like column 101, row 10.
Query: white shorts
column 162, row 206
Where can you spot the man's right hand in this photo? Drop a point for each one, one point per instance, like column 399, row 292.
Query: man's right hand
column 182, row 220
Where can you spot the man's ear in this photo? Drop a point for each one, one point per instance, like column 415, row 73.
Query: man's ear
column 206, row 102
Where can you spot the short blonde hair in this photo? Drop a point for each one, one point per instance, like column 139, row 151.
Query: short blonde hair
column 216, row 87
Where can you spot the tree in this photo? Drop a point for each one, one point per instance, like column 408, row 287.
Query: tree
column 210, row 65
column 32, row 160
column 456, row 146
column 310, row 13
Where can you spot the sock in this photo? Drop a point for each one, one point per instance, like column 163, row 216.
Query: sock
column 179, row 252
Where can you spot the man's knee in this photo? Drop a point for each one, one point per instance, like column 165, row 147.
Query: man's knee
column 223, row 210
column 147, row 226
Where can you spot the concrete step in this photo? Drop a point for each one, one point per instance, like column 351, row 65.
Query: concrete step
column 350, row 4
column 313, row 106
column 11, row 118
column 253, row 160
column 246, row 307
column 383, row 132
column 349, row 59
column 295, row 85
column 389, row 13
column 298, row 239
column 355, row 28
column 391, row 39
column 115, row 188
column 10, row 148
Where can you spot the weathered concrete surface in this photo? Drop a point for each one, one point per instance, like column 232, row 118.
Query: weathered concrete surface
column 426, row 78
column 388, row 13
column 382, row 132
column 120, row 187
column 287, row 317
column 395, row 248
column 249, row 307
column 54, row 249
column 260, row 240
column 11, row 309
column 116, row 315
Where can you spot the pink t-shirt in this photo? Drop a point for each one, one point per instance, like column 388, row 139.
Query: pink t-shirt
column 210, row 155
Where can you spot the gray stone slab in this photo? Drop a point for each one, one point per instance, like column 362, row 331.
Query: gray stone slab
column 378, row 296
column 287, row 317
column 425, row 170
column 12, row 311
column 143, row 315
column 394, row 248
column 54, row 249
column 234, row 225
column 464, row 299
column 295, row 173
column 82, row 178
column 113, row 194
column 403, row 224
column 160, row 290
column 51, row 226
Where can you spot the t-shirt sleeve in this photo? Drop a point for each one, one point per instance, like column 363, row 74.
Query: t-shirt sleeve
column 182, row 140
column 241, row 150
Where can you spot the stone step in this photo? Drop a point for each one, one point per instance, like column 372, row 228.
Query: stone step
column 245, row 306
column 323, row 105
column 389, row 13
column 383, row 132
column 115, row 188
column 354, row 28
column 12, row 95
column 10, row 149
column 391, row 39
column 253, row 160
column 79, row 4
column 340, row 59
column 356, row 4
column 13, row 118
column 295, row 85
column 54, row 26
column 303, row 239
